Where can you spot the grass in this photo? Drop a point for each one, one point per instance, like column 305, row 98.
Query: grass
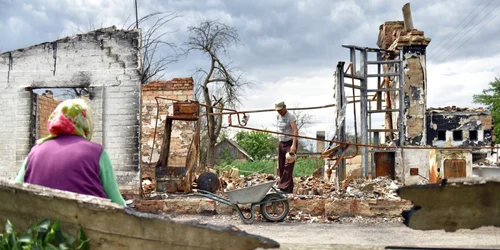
column 303, row 166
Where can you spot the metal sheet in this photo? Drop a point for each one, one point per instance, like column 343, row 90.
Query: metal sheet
column 251, row 194
column 454, row 168
column 384, row 164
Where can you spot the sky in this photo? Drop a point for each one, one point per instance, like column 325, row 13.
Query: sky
column 289, row 48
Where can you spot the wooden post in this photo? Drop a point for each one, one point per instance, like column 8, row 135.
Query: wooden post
column 165, row 149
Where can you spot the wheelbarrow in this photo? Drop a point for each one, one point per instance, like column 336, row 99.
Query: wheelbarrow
column 274, row 206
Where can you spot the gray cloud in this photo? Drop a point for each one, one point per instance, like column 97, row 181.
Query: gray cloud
column 283, row 42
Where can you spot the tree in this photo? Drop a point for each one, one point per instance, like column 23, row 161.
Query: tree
column 260, row 145
column 219, row 85
column 153, row 54
column 304, row 120
column 491, row 98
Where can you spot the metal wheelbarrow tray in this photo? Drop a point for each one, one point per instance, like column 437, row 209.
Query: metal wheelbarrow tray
column 273, row 206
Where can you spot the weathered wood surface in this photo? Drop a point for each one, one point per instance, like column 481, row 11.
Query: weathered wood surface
column 462, row 203
column 112, row 227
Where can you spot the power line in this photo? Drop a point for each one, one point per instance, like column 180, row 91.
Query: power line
column 448, row 47
column 437, row 46
column 468, row 32
column 481, row 21
column 472, row 35
column 445, row 47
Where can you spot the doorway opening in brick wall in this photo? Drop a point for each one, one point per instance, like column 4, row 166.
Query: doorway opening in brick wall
column 44, row 101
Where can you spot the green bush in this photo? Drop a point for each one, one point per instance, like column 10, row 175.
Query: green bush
column 303, row 166
column 42, row 235
column 226, row 158
column 260, row 145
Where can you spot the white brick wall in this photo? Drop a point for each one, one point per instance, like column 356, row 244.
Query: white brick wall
column 106, row 60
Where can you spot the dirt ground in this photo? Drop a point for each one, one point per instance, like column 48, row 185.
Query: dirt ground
column 356, row 233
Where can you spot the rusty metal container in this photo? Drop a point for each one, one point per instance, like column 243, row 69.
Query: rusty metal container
column 449, row 163
column 385, row 164
column 186, row 109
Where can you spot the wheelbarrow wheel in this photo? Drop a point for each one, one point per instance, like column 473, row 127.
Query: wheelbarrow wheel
column 275, row 209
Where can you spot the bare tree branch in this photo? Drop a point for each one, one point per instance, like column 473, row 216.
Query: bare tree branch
column 219, row 85
column 154, row 45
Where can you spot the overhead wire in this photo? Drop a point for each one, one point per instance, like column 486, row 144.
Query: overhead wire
column 452, row 32
column 446, row 48
column 473, row 35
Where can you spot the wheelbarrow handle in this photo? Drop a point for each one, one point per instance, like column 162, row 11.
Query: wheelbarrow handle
column 246, row 220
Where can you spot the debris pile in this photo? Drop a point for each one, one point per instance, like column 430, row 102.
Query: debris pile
column 314, row 187
column 307, row 218
column 231, row 182
column 148, row 187
column 378, row 188
column 486, row 162
column 299, row 216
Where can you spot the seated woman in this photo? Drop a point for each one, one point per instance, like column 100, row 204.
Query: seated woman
column 67, row 159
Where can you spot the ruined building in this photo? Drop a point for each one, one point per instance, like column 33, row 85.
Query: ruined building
column 392, row 81
column 106, row 62
column 452, row 126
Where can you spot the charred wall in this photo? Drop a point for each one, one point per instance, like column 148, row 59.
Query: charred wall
column 460, row 128
column 105, row 60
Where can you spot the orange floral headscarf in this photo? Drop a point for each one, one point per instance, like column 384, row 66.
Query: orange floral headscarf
column 71, row 117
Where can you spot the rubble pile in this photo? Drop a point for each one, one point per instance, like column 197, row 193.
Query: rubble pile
column 231, row 183
column 316, row 188
column 307, row 218
column 299, row 216
column 148, row 187
column 313, row 186
column 486, row 162
column 378, row 188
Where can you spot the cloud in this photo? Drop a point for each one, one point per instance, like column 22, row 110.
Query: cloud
column 289, row 48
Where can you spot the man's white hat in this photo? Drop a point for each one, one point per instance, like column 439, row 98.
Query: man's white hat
column 279, row 105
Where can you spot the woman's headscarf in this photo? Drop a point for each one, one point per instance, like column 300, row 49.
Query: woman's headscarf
column 71, row 117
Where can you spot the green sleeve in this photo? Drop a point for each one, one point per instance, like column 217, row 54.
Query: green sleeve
column 108, row 179
column 22, row 171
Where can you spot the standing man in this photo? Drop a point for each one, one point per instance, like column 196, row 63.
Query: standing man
column 287, row 123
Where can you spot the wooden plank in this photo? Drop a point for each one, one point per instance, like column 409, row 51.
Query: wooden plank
column 110, row 226
column 165, row 148
column 461, row 203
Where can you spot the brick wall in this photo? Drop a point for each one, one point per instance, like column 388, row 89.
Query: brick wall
column 182, row 131
column 388, row 33
column 108, row 62
column 413, row 45
column 46, row 104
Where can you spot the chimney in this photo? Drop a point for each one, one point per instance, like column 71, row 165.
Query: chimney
column 412, row 44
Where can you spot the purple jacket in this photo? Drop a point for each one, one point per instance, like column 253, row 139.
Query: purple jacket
column 67, row 162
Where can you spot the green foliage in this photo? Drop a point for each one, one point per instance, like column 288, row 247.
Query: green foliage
column 226, row 158
column 306, row 167
column 491, row 98
column 42, row 235
column 260, row 145
column 303, row 167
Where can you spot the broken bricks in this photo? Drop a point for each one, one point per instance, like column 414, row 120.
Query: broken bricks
column 313, row 187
